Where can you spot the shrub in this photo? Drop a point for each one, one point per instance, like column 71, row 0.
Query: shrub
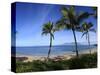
column 84, row 61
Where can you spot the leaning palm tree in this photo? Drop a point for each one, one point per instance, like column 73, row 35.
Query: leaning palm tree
column 86, row 28
column 71, row 20
column 48, row 28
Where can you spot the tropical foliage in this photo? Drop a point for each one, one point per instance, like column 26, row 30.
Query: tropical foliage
column 48, row 28
column 85, row 61
column 86, row 28
column 95, row 12
column 71, row 20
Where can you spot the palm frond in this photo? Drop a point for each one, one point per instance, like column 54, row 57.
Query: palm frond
column 89, row 25
column 72, row 15
column 64, row 12
column 60, row 24
column 94, row 8
column 72, row 12
column 92, row 30
column 72, row 9
column 84, row 33
column 44, row 33
column 48, row 28
column 82, row 16
column 86, row 26
column 79, row 29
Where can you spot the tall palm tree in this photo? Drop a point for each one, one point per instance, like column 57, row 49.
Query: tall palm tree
column 86, row 28
column 71, row 20
column 48, row 28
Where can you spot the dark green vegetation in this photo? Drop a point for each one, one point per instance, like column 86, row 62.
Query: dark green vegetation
column 84, row 61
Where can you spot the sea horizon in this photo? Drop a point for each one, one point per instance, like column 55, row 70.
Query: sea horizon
column 56, row 50
column 72, row 43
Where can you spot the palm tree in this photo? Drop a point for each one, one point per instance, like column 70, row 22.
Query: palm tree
column 71, row 20
column 86, row 28
column 48, row 28
column 95, row 12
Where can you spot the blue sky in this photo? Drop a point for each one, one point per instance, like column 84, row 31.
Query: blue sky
column 30, row 18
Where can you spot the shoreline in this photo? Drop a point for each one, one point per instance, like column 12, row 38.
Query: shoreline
column 65, row 56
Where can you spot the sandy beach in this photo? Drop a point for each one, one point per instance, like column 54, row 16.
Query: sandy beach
column 65, row 56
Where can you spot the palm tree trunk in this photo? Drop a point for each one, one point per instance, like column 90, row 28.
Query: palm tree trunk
column 75, row 42
column 89, row 42
column 50, row 47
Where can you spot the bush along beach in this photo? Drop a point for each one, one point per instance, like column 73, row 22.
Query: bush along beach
column 82, row 62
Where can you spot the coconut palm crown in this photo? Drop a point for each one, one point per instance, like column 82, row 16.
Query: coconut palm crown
column 71, row 20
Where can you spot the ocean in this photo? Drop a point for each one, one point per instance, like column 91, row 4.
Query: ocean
column 56, row 50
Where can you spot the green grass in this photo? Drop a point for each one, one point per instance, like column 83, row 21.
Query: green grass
column 84, row 61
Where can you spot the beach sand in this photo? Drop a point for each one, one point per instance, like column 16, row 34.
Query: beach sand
column 65, row 56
